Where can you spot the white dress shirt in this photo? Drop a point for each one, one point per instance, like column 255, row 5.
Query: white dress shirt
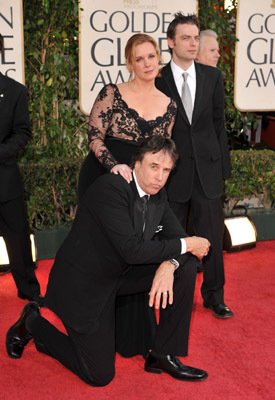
column 191, row 79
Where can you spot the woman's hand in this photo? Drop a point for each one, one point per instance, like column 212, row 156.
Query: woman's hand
column 124, row 170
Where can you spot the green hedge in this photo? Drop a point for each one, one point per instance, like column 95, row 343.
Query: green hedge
column 253, row 175
column 51, row 196
column 51, row 192
column 51, row 30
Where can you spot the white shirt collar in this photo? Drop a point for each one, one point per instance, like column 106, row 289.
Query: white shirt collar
column 178, row 71
column 191, row 79
column 140, row 191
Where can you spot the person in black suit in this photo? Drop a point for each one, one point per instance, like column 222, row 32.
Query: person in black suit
column 113, row 250
column 15, row 132
column 196, row 184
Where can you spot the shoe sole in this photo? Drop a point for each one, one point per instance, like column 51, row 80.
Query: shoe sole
column 222, row 317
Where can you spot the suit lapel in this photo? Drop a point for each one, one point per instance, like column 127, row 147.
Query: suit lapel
column 137, row 211
column 199, row 90
column 3, row 81
column 167, row 75
column 154, row 213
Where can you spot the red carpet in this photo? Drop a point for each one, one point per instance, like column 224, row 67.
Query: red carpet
column 238, row 354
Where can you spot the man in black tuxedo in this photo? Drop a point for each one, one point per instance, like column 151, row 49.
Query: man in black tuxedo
column 15, row 132
column 114, row 250
column 195, row 187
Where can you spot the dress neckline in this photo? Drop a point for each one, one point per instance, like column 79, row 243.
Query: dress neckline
column 133, row 111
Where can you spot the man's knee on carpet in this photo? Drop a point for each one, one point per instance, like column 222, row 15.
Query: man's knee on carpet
column 99, row 376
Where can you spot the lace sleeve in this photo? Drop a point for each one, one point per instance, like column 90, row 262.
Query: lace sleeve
column 173, row 117
column 99, row 122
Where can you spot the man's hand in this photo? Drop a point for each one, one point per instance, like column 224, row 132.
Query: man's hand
column 162, row 286
column 197, row 245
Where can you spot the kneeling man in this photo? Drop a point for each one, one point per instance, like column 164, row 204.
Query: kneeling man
column 119, row 245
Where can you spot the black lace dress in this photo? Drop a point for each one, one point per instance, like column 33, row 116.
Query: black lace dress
column 114, row 132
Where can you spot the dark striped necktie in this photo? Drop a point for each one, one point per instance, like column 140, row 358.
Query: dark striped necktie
column 144, row 201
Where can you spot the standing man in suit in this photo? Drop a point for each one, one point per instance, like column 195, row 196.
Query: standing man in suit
column 116, row 248
column 196, row 184
column 15, row 132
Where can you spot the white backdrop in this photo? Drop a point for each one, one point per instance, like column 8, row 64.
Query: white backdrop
column 255, row 56
column 105, row 27
column 11, row 28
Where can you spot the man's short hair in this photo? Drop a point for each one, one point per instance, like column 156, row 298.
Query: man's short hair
column 180, row 19
column 154, row 144
column 1, row 43
column 207, row 33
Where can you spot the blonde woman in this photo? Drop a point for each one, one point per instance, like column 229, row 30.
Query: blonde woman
column 125, row 114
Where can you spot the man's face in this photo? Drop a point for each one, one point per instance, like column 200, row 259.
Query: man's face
column 153, row 171
column 185, row 44
column 209, row 53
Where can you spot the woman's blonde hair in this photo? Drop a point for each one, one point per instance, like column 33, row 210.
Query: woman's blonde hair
column 130, row 48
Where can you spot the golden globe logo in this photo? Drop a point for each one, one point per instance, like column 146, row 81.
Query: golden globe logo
column 261, row 50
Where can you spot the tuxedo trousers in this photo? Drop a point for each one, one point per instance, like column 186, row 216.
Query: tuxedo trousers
column 91, row 356
column 207, row 221
column 16, row 233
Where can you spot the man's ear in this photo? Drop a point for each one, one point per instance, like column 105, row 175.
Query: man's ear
column 137, row 166
column 170, row 43
column 198, row 57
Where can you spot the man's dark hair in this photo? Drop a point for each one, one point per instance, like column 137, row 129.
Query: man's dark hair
column 179, row 19
column 1, row 42
column 154, row 144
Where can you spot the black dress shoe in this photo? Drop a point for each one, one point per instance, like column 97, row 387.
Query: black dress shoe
column 4, row 269
column 37, row 298
column 171, row 365
column 220, row 310
column 18, row 335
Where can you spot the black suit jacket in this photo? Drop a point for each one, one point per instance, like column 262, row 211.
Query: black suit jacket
column 203, row 143
column 105, row 240
column 15, row 132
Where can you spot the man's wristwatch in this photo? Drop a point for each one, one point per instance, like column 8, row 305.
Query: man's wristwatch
column 175, row 263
